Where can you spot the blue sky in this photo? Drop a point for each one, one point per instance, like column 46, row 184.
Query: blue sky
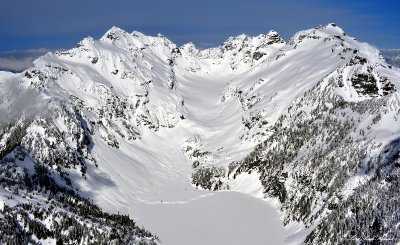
column 53, row 24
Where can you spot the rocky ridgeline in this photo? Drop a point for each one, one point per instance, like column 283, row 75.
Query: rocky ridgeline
column 321, row 158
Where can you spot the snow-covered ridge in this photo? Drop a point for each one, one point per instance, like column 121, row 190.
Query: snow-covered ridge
column 132, row 120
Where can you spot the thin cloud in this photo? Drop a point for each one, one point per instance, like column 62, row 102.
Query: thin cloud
column 17, row 61
column 392, row 56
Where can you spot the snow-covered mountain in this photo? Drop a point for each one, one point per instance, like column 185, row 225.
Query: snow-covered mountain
column 132, row 120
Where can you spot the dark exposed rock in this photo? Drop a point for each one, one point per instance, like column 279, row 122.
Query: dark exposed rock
column 365, row 84
column 257, row 55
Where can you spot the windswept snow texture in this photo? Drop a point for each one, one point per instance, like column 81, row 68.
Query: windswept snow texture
column 149, row 129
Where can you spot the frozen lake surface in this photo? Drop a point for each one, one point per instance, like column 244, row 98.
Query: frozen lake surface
column 219, row 218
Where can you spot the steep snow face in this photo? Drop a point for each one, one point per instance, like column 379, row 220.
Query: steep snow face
column 125, row 71
column 328, row 144
column 260, row 96
column 132, row 120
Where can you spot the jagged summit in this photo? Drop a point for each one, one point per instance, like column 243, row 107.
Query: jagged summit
column 324, row 31
column 255, row 47
column 115, row 32
column 274, row 36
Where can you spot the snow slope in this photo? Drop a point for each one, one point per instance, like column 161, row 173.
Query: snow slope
column 146, row 128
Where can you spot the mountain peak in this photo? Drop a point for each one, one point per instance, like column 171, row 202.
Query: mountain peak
column 322, row 33
column 113, row 34
column 137, row 34
column 115, row 29
column 190, row 48
column 332, row 28
column 274, row 37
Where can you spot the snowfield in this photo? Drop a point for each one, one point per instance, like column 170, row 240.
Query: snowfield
column 218, row 218
column 151, row 181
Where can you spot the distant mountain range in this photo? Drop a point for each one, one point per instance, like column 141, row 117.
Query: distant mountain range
column 392, row 56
